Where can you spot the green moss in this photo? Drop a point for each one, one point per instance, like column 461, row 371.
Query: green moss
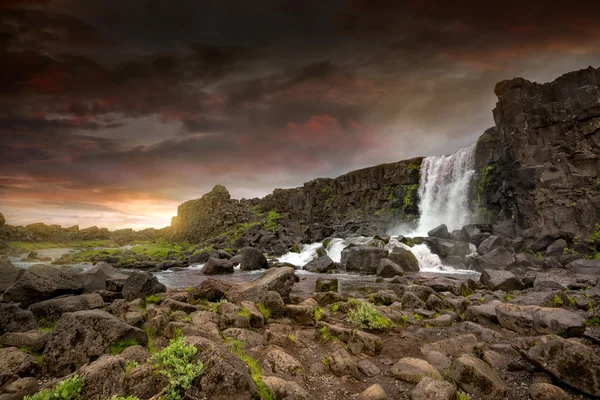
column 484, row 182
column 264, row 311
column 272, row 217
column 118, row 347
column 318, row 313
column 29, row 246
column 366, row 316
column 244, row 312
column 507, row 298
column 45, row 325
column 295, row 248
column 557, row 301
column 593, row 321
column 262, row 391
column 292, row 338
column 324, row 335
column 409, row 200
column 153, row 299
column 414, row 167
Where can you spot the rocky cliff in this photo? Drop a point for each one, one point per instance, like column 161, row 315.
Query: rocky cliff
column 539, row 167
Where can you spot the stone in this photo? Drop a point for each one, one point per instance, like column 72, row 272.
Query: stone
column 52, row 309
column 373, row 392
column 104, row 377
column 42, row 282
column 533, row 319
column 9, row 274
column 227, row 377
column 211, row 290
column 413, row 370
column 140, row 382
column 320, row 265
column 326, row 285
column 95, row 278
column 285, row 390
column 439, row 232
column 253, row 259
column 440, row 361
column 280, row 280
column 341, row 364
column 174, row 305
column 547, row 391
column 274, row 303
column 81, row 337
column 217, row 266
column 498, row 259
column 135, row 353
column 34, row 340
column 20, row 388
column 15, row 363
column 389, row 269
column 489, row 244
column 363, row 342
column 556, row 248
column 452, row 347
column 362, row 259
column 281, row 363
column 14, row 319
column 405, row 259
column 500, row 280
column 584, row 267
column 483, row 313
column 199, row 258
column 567, row 360
column 368, row 368
column 411, row 301
column 446, row 247
column 140, row 285
column 433, row 389
column 475, row 377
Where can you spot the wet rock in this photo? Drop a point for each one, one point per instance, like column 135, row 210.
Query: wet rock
column 567, row 360
column 498, row 259
column 140, row 285
column 373, row 392
column 388, row 269
column 405, row 259
column 362, row 259
column 42, row 282
column 104, row 377
column 285, row 390
column 413, row 370
column 547, row 391
column 439, row 232
column 500, row 280
column 556, row 248
column 217, row 266
column 20, row 388
column 14, row 319
column 489, row 244
column 280, row 280
column 446, row 247
column 95, row 278
column 9, row 274
column 433, row 389
column 199, row 258
column 320, row 265
column 83, row 336
column 52, row 309
column 533, row 319
column 253, row 259
column 476, row 377
column 32, row 340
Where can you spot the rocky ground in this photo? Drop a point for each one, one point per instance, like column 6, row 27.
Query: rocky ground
column 407, row 336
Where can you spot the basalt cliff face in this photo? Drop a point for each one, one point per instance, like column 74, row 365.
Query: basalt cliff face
column 539, row 168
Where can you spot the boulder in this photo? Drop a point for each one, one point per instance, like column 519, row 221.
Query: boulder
column 547, row 391
column 475, row 234
column 476, row 377
column 500, row 280
column 567, row 360
column 342, row 363
column 135, row 353
column 326, row 285
column 211, row 290
column 52, row 309
column 15, row 363
column 20, row 388
column 433, row 389
column 225, row 377
column 405, row 259
column 104, row 378
column 287, row 390
column 584, row 267
column 140, row 285
column 274, row 303
column 368, row 368
column 199, row 258
column 362, row 259
column 534, row 319
column 217, row 266
column 33, row 341
column 140, row 382
column 451, row 347
column 280, row 280
column 413, row 370
column 9, row 274
column 42, row 282
column 446, row 247
column 556, row 248
column 483, row 313
column 253, row 259
column 83, row 336
column 499, row 258
column 439, row 232
column 320, row 264
column 14, row 319
column 489, row 244
column 95, row 278
column 281, row 363
column 389, row 269
column 373, row 392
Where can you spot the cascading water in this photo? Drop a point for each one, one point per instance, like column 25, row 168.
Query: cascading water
column 444, row 190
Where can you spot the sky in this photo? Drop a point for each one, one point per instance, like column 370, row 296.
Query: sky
column 114, row 112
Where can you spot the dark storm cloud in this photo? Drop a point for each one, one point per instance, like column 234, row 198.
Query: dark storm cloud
column 141, row 103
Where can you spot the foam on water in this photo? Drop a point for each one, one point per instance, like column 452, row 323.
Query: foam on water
column 307, row 253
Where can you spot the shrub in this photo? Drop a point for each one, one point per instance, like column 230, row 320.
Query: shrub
column 264, row 311
column 367, row 317
column 118, row 347
column 318, row 313
column 153, row 299
column 262, row 391
column 69, row 389
column 174, row 362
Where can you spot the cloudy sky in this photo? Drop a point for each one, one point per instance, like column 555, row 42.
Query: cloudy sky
column 114, row 112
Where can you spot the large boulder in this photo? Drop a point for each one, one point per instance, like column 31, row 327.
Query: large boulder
column 211, row 290
column 140, row 285
column 405, row 259
column 83, row 336
column 320, row 264
column 42, row 282
column 362, row 259
column 217, row 266
column 33, row 340
column 413, row 370
column 389, row 269
column 489, row 244
column 439, row 232
column 584, row 267
column 567, row 360
column 280, row 280
column 52, row 309
column 104, row 378
column 476, row 377
column 14, row 319
column 253, row 260
column 199, row 258
column 15, row 363
column 95, row 278
column 533, row 320
column 499, row 258
column 9, row 274
column 500, row 280
column 446, row 247
column 225, row 376
column 20, row 388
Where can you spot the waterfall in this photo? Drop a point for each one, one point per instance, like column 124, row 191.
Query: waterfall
column 444, row 190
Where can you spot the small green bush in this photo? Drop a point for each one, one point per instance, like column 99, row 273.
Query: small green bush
column 264, row 311
column 174, row 362
column 262, row 391
column 593, row 321
column 366, row 316
column 153, row 299
column 69, row 389
column 318, row 313
column 244, row 312
column 118, row 347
